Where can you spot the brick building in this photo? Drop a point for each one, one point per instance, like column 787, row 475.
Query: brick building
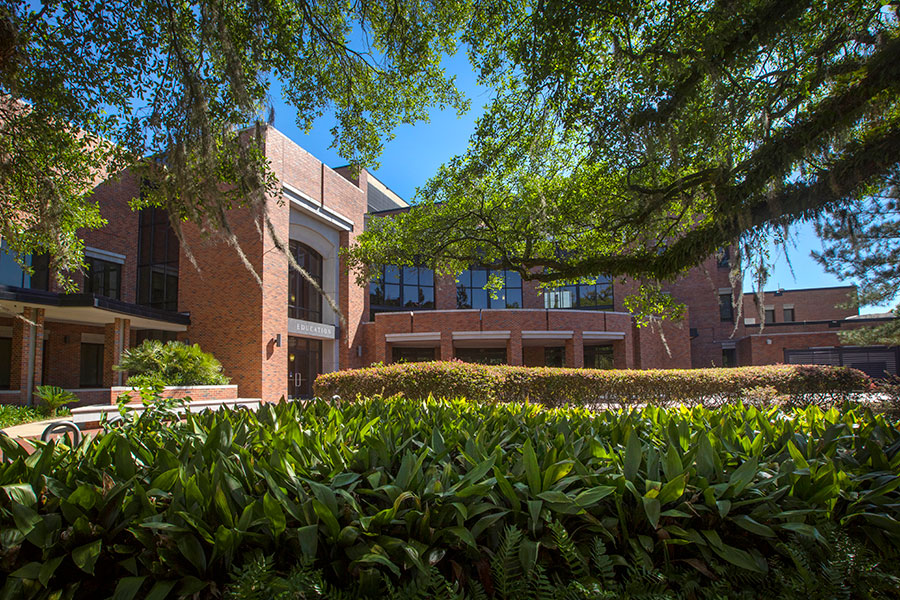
column 275, row 338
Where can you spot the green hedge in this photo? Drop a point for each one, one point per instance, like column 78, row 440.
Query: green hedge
column 794, row 384
column 459, row 500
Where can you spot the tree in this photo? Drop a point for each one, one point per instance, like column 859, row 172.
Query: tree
column 862, row 242
column 638, row 137
column 175, row 90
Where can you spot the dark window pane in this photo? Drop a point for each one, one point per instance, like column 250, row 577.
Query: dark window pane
column 412, row 354
column 725, row 309
column 479, row 298
column 485, row 356
column 463, row 299
column 410, row 296
column 426, row 277
column 410, row 276
column 514, row 298
column 392, row 294
column 465, row 278
column 513, row 279
column 40, row 279
column 91, row 365
column 788, row 315
column 554, row 356
column 598, row 357
column 391, row 275
column 5, row 362
column 479, row 278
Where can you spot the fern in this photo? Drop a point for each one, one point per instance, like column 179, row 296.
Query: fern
column 574, row 560
column 602, row 563
column 506, row 567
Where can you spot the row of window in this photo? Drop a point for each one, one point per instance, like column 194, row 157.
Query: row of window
column 398, row 288
column 595, row 357
column 726, row 311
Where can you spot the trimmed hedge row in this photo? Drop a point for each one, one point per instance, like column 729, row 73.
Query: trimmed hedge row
column 776, row 384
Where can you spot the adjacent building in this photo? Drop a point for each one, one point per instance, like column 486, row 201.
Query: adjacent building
column 273, row 339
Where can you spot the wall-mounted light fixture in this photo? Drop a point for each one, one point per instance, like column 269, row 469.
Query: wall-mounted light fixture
column 278, row 340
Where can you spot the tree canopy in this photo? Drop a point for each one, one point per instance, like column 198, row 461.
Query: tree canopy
column 638, row 137
column 172, row 91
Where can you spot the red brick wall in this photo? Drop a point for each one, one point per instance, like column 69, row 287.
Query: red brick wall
column 809, row 305
column 650, row 348
column 120, row 235
column 64, row 353
column 196, row 393
column 699, row 289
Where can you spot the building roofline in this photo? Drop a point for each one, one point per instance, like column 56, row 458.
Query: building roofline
column 813, row 289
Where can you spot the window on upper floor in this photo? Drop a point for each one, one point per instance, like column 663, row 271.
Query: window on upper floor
column 723, row 258
column 470, row 292
column 590, row 296
column 726, row 310
column 157, row 265
column 770, row 315
column 304, row 300
column 102, row 277
column 788, row 314
column 399, row 288
column 12, row 274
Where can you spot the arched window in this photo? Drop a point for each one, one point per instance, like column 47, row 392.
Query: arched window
column 304, row 302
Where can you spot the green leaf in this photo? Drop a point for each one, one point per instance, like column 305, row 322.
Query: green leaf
column 128, row 587
column 672, row 490
column 85, row 557
column 592, row 496
column 633, row 454
column 532, row 470
column 274, row 514
column 652, row 509
column 192, row 549
column 308, row 535
column 47, row 570
column 161, row 590
column 753, row 526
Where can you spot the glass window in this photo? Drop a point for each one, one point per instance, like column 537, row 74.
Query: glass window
column 554, row 356
column 11, row 273
column 591, row 296
column 158, row 256
column 304, row 301
column 401, row 288
column 102, row 277
column 598, row 357
column 5, row 362
column 729, row 357
column 726, row 310
column 788, row 315
column 484, row 356
column 770, row 316
column 470, row 292
column 412, row 354
column 723, row 258
column 91, row 365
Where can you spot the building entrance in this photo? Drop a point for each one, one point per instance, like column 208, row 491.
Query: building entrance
column 304, row 364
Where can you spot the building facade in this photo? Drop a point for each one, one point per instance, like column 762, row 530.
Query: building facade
column 273, row 339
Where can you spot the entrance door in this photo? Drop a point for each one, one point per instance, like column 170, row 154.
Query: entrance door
column 304, row 364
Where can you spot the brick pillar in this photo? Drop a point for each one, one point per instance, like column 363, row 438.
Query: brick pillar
column 621, row 356
column 117, row 336
column 26, row 360
column 575, row 351
column 446, row 345
column 514, row 349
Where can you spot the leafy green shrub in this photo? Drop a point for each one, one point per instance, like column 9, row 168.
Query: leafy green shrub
column 799, row 385
column 54, row 397
column 443, row 499
column 154, row 363
column 16, row 415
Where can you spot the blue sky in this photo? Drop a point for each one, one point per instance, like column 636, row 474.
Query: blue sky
column 416, row 152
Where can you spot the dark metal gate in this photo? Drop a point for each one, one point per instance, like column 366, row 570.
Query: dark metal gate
column 874, row 361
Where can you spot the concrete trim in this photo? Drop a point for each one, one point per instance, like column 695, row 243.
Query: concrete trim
column 425, row 336
column 547, row 334
column 305, row 203
column 106, row 255
column 602, row 335
column 481, row 335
